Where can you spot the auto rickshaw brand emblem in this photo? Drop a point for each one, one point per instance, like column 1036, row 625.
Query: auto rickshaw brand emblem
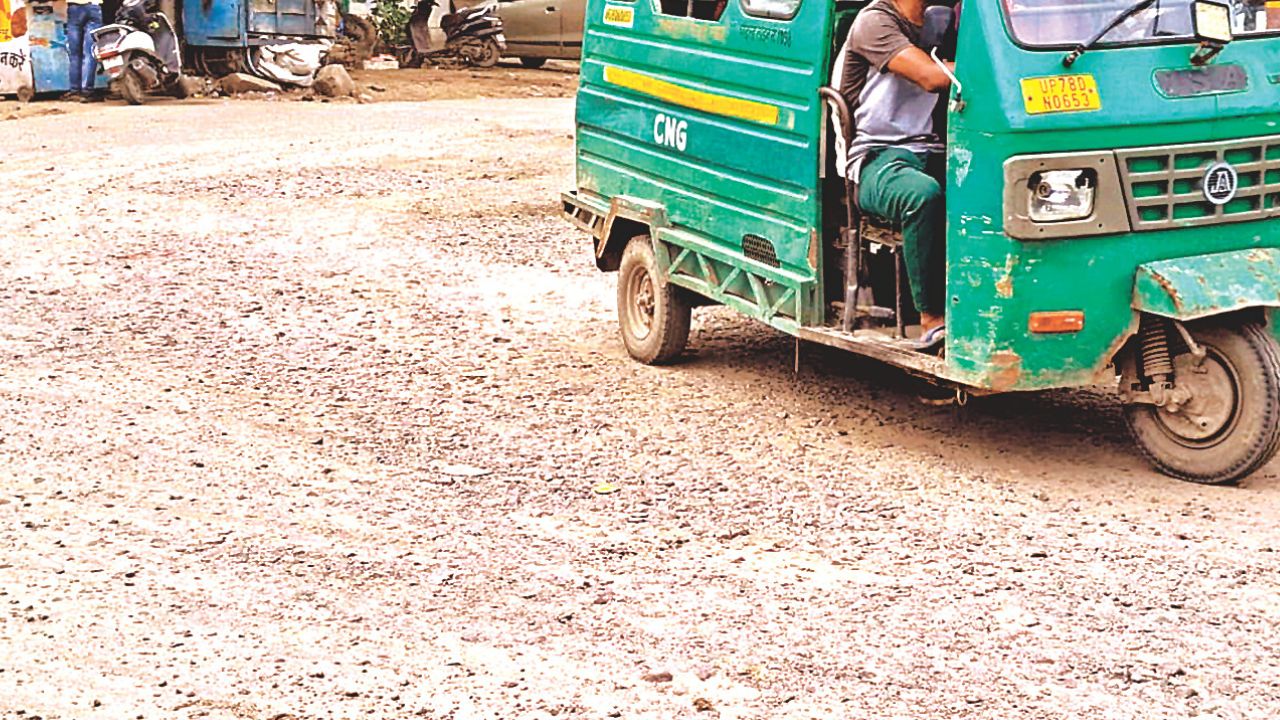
column 619, row 16
column 1221, row 182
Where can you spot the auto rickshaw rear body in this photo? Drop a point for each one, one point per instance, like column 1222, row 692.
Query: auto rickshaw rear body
column 1111, row 210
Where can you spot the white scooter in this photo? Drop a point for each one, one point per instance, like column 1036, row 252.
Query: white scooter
column 139, row 53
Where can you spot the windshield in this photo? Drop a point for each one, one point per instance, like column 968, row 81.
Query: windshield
column 1070, row 22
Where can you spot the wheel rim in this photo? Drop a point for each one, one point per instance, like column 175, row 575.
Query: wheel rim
column 641, row 303
column 1214, row 408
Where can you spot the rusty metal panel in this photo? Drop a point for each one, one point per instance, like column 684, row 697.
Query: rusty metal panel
column 1200, row 286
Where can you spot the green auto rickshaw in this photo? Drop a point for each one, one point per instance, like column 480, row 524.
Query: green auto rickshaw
column 1112, row 190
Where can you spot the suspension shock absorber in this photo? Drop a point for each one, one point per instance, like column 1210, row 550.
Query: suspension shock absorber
column 1157, row 358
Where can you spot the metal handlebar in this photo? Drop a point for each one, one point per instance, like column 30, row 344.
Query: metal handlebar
column 841, row 106
column 852, row 233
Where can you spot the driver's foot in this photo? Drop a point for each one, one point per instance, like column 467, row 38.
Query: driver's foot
column 932, row 340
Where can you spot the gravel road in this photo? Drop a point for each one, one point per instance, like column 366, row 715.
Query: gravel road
column 302, row 410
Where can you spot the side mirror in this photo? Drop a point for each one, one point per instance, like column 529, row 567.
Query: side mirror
column 1212, row 22
column 939, row 31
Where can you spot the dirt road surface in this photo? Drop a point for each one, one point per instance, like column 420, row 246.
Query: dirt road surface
column 303, row 405
column 559, row 78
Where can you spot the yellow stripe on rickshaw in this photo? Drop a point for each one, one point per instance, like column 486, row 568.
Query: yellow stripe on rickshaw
column 690, row 98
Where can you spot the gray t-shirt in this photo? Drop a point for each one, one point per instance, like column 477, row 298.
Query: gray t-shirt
column 888, row 110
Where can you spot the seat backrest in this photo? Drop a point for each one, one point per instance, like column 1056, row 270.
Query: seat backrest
column 843, row 127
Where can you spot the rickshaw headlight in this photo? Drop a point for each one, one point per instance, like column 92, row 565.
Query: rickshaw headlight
column 1061, row 195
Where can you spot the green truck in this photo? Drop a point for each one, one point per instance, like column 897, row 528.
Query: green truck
column 1112, row 200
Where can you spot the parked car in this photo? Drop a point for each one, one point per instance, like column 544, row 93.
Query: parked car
column 541, row 30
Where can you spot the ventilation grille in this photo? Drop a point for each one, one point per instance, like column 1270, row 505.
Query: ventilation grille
column 1164, row 186
column 760, row 250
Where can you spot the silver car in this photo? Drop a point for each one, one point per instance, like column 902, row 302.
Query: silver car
column 541, row 30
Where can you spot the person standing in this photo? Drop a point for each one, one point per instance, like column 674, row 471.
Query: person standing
column 83, row 17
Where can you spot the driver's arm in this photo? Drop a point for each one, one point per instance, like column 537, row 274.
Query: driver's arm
column 913, row 64
column 877, row 37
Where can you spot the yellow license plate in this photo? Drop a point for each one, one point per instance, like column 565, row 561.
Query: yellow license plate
column 1060, row 94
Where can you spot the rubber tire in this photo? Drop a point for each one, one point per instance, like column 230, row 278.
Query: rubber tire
column 672, row 310
column 408, row 57
column 533, row 63
column 131, row 88
column 492, row 54
column 362, row 34
column 180, row 88
column 1255, row 439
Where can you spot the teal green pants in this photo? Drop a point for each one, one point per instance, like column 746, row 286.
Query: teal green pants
column 899, row 186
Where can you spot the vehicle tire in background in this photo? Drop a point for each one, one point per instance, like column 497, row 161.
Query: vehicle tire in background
column 653, row 314
column 361, row 35
column 533, row 63
column 407, row 57
column 488, row 55
column 132, row 87
column 1231, row 427
column 185, row 86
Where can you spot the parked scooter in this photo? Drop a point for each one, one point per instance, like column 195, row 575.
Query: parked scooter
column 473, row 35
column 140, row 53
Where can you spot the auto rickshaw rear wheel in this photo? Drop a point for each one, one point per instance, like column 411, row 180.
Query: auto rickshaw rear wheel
column 653, row 314
column 1230, row 426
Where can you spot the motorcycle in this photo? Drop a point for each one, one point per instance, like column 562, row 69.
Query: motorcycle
column 139, row 52
column 473, row 35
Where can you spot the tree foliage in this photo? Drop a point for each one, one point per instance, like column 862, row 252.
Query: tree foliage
column 391, row 18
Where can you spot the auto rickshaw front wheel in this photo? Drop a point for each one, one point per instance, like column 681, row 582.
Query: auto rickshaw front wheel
column 1224, row 420
column 653, row 314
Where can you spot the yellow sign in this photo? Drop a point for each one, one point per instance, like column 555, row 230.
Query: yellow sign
column 6, row 25
column 1061, row 94
column 696, row 99
column 13, row 19
column 619, row 16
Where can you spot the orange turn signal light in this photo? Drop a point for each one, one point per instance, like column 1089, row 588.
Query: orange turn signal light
column 1061, row 321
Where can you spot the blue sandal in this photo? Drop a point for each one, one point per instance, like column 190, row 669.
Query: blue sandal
column 931, row 340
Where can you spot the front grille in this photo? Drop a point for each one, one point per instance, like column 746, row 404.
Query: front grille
column 1164, row 186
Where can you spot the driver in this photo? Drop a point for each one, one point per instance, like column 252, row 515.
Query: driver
column 895, row 158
